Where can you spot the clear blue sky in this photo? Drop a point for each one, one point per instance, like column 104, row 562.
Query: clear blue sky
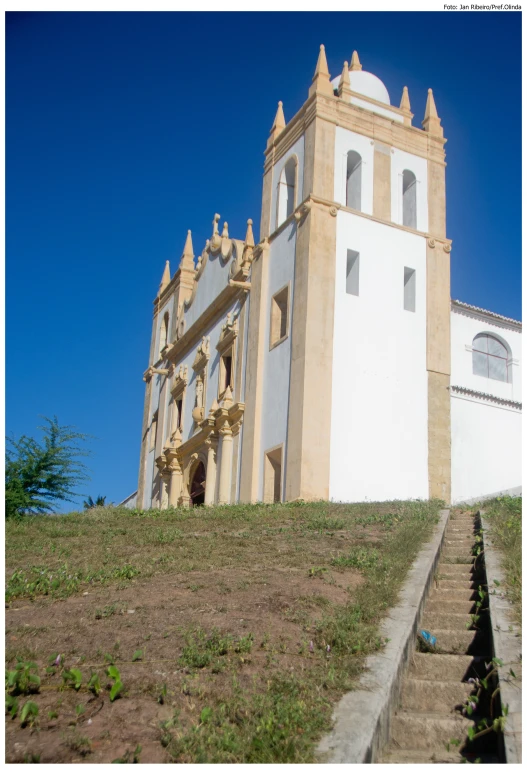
column 123, row 130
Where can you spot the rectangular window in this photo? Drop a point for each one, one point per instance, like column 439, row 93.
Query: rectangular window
column 352, row 273
column 179, row 410
column 279, row 317
column 153, row 432
column 409, row 289
column 227, row 365
column 273, row 475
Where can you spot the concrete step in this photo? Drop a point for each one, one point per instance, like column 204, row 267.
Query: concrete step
column 449, row 605
column 453, row 554
column 437, row 667
column 456, row 583
column 462, row 546
column 454, row 569
column 444, row 621
column 433, row 731
column 465, row 562
column 407, row 756
column 459, row 641
column 452, row 593
column 433, row 696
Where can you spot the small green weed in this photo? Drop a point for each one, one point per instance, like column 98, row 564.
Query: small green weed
column 129, row 755
column 24, row 679
column 362, row 558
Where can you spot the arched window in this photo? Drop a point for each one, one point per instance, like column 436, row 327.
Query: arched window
column 286, row 191
column 489, row 358
column 163, row 339
column 409, row 200
column 353, row 180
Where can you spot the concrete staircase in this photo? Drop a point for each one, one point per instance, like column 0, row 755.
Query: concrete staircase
column 428, row 726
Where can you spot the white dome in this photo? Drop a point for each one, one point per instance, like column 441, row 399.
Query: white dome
column 367, row 84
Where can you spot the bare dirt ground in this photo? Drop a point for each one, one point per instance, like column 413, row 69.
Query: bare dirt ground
column 238, row 663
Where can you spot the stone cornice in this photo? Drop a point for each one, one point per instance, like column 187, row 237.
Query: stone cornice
column 360, row 120
column 485, row 396
column 334, row 207
column 470, row 310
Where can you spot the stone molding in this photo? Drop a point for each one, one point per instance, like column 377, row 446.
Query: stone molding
column 485, row 396
column 462, row 308
column 202, row 354
column 180, row 381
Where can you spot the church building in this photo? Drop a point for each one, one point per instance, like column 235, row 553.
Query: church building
column 327, row 360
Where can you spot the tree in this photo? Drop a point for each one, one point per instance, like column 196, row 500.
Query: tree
column 91, row 504
column 40, row 474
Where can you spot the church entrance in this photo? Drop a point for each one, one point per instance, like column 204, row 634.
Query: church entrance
column 197, row 486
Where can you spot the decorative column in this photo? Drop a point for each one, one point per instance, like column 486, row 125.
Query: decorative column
column 210, row 481
column 224, row 495
column 176, row 476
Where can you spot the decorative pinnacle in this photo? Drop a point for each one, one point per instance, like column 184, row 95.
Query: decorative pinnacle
column 279, row 121
column 321, row 82
column 227, row 398
column 187, row 259
column 225, row 232
column 430, row 110
column 249, row 236
column 405, row 100
column 166, row 277
column 344, row 84
column 355, row 62
column 432, row 122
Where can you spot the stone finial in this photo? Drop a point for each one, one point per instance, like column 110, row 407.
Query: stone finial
column 166, row 277
column 355, row 62
column 249, row 236
column 344, row 84
column 187, row 259
column 321, row 82
column 279, row 122
column 405, row 106
column 405, row 99
column 225, row 232
column 227, row 398
column 215, row 223
column 432, row 122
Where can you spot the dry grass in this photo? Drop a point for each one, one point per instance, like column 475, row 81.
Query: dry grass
column 251, row 621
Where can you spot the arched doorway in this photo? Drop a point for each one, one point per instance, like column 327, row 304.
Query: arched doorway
column 197, row 486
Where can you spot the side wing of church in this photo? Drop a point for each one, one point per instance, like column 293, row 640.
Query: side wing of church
column 328, row 360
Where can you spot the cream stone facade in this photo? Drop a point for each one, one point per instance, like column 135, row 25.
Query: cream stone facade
column 327, row 361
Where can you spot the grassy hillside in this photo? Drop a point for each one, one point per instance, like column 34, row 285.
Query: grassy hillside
column 234, row 629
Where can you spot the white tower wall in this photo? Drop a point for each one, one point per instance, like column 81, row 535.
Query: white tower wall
column 379, row 441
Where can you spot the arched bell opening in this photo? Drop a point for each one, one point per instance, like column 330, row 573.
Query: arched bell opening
column 197, row 485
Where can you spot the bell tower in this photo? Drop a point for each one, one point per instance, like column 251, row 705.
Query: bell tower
column 352, row 401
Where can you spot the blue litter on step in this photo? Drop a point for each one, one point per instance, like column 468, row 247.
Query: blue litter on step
column 428, row 637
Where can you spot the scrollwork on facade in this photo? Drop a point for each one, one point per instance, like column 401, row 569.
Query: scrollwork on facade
column 202, row 354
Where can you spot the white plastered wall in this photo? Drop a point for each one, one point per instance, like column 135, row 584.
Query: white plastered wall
column 486, row 447
column 346, row 141
column 464, row 326
column 379, row 436
column 486, row 434
column 214, row 278
column 406, row 161
column 296, row 150
column 277, row 361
